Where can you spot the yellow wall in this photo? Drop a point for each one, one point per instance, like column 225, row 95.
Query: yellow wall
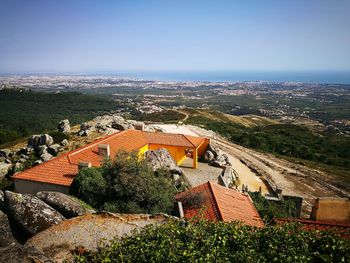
column 177, row 152
column 203, row 147
column 143, row 150
column 337, row 209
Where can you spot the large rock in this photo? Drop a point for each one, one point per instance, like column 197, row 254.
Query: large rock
column 162, row 158
column 23, row 254
column 35, row 141
column 54, row 149
column 208, row 156
column 65, row 143
column 42, row 149
column 64, row 126
column 46, row 157
column 214, row 150
column 219, row 161
column 4, row 169
column 30, row 213
column 91, row 231
column 85, row 129
column 122, row 126
column 6, row 153
column 6, row 237
column 2, row 200
column 63, row 203
column 45, row 139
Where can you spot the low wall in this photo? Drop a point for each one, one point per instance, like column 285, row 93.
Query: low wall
column 31, row 187
column 334, row 209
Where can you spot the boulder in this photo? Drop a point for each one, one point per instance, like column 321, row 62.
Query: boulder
column 24, row 254
column 219, row 161
column 4, row 169
column 18, row 167
column 91, row 231
column 45, row 139
column 46, row 157
column 84, row 129
column 208, row 156
column 122, row 126
column 63, row 203
column 5, row 153
column 30, row 213
column 54, row 149
column 37, row 162
column 162, row 158
column 42, row 149
column 6, row 237
column 64, row 126
column 214, row 150
column 2, row 200
column 65, row 143
column 33, row 141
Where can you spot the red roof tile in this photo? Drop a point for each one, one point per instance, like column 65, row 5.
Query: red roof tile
column 338, row 228
column 219, row 203
column 61, row 170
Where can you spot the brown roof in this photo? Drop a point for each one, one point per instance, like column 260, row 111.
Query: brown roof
column 61, row 170
column 216, row 203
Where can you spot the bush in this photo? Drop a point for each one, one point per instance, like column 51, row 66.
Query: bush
column 128, row 185
column 204, row 241
column 58, row 137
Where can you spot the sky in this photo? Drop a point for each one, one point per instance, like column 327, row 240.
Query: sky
column 50, row 36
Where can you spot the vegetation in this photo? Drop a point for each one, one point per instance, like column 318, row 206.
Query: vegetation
column 164, row 116
column 204, row 241
column 127, row 185
column 24, row 112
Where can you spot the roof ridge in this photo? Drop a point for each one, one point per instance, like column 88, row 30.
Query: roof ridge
column 215, row 203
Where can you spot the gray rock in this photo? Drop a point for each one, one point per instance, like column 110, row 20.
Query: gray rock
column 54, row 149
column 208, row 156
column 30, row 213
column 18, row 167
column 63, row 203
column 6, row 237
column 4, row 169
column 24, row 156
column 162, row 158
column 122, row 126
column 64, row 126
column 65, row 143
column 23, row 254
column 2, row 200
column 214, row 150
column 42, row 149
column 46, row 157
column 37, row 162
column 22, row 160
column 219, row 161
column 5, row 153
column 33, row 141
column 45, row 139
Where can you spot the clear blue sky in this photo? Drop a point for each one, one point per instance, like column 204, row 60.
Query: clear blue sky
column 83, row 35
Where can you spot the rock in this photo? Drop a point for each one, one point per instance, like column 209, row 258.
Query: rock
column 91, row 231
column 219, row 161
column 42, row 149
column 64, row 126
column 214, row 150
column 24, row 254
column 5, row 153
column 46, row 157
column 54, row 149
column 45, row 139
column 63, row 203
column 65, row 143
column 122, row 126
column 18, row 167
column 37, row 162
column 138, row 125
column 6, row 237
column 162, row 158
column 4, row 169
column 22, row 160
column 208, row 156
column 23, row 156
column 30, row 213
column 33, row 141
column 2, row 200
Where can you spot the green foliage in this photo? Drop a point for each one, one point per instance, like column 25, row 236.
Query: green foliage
column 128, row 185
column 58, row 136
column 23, row 113
column 164, row 116
column 269, row 210
column 204, row 241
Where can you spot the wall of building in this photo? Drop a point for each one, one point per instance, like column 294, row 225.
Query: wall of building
column 334, row 209
column 31, row 187
column 203, row 147
column 143, row 150
column 177, row 152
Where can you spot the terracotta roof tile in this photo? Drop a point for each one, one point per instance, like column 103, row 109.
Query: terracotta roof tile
column 219, row 203
column 61, row 170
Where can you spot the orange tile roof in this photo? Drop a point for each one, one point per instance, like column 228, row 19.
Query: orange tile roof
column 173, row 139
column 61, row 170
column 216, row 202
column 342, row 229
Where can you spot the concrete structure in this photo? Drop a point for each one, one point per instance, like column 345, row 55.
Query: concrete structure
column 58, row 173
column 331, row 209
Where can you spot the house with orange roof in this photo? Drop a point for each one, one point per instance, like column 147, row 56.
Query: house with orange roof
column 58, row 173
column 218, row 203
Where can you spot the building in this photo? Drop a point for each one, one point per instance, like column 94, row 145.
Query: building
column 218, row 203
column 58, row 173
column 331, row 209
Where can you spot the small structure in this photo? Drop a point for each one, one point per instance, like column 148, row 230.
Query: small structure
column 218, row 203
column 57, row 174
column 334, row 209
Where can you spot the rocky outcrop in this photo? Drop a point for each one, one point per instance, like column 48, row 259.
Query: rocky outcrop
column 35, row 141
column 208, row 157
column 4, row 169
column 91, row 231
column 64, row 126
column 6, row 153
column 220, row 161
column 212, row 148
column 85, row 129
column 6, row 237
column 63, row 203
column 111, row 123
column 2, row 200
column 46, row 157
column 162, row 158
column 54, row 149
column 30, row 213
column 24, row 254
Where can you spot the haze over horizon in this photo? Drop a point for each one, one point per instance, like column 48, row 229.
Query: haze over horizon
column 88, row 36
